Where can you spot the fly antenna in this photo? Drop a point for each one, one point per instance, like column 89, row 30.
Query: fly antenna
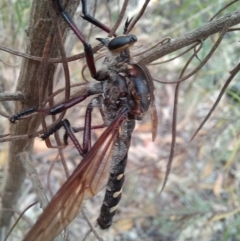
column 127, row 23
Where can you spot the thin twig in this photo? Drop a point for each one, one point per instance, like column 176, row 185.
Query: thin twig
column 16, row 222
column 91, row 226
column 233, row 74
column 226, row 6
column 174, row 123
column 18, row 96
column 135, row 20
column 27, row 161
column 120, row 18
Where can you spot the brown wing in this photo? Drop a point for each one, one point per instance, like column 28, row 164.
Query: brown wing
column 154, row 118
column 86, row 181
column 154, row 115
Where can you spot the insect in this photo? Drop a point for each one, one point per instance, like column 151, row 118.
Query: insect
column 124, row 94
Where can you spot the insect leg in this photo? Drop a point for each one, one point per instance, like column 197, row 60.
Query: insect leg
column 100, row 108
column 87, row 47
column 95, row 102
column 91, row 19
column 22, row 113
column 69, row 133
column 86, row 92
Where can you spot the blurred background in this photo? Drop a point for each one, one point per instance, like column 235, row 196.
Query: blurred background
column 201, row 200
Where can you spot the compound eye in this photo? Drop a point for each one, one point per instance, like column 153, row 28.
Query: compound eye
column 133, row 38
column 121, row 42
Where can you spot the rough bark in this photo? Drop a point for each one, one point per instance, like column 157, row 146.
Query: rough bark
column 189, row 38
column 39, row 30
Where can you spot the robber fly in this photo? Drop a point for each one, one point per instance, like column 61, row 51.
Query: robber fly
column 124, row 94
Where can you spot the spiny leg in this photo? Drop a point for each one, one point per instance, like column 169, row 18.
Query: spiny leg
column 87, row 47
column 87, row 91
column 100, row 108
column 86, row 146
column 91, row 19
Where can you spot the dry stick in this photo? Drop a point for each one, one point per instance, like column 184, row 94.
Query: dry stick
column 91, row 28
column 211, row 19
column 163, row 41
column 173, row 58
column 27, row 219
column 63, row 55
column 224, row 30
column 51, row 60
column 10, row 65
column 226, row 6
column 67, row 86
column 91, row 227
column 135, row 20
column 120, row 18
column 49, row 174
column 4, row 135
column 37, row 186
column 41, row 76
column 175, row 101
column 59, row 91
column 46, row 53
column 4, row 99
column 233, row 73
column 233, row 29
column 174, row 124
column 7, row 96
column 44, row 64
column 4, row 114
column 178, row 81
column 8, row 107
column 27, row 161
column 16, row 222
column 14, row 138
column 191, row 37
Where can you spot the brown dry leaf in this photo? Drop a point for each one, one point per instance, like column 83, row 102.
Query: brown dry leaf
column 98, row 132
column 217, row 187
column 178, row 161
column 207, row 170
column 224, row 215
column 40, row 145
column 168, row 139
column 125, row 224
column 206, row 186
column 144, row 127
column 3, row 157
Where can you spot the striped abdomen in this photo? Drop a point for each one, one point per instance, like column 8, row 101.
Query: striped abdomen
column 115, row 182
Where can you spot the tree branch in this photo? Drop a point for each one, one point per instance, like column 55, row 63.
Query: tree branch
column 40, row 29
column 191, row 37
